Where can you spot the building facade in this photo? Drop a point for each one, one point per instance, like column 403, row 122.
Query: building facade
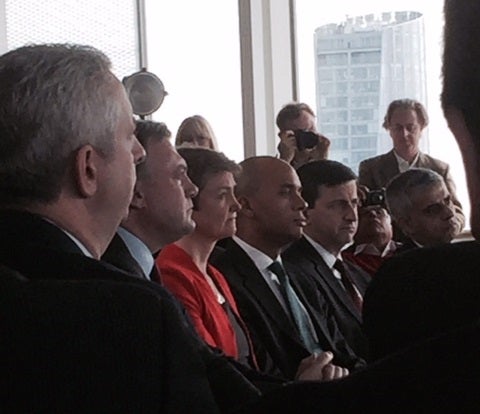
column 361, row 65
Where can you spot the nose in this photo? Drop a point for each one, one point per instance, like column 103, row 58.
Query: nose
column 351, row 214
column 448, row 211
column 190, row 189
column 235, row 205
column 138, row 152
column 299, row 203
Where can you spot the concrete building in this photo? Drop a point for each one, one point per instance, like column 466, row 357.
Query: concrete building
column 361, row 65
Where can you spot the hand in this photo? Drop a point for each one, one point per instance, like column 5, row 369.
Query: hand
column 362, row 191
column 317, row 367
column 289, row 152
column 318, row 152
column 287, row 147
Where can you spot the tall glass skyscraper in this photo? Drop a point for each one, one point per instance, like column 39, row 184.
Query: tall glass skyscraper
column 361, row 65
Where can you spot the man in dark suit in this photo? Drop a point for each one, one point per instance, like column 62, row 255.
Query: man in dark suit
column 160, row 213
column 330, row 190
column 67, row 173
column 72, row 346
column 272, row 217
column 161, row 207
column 405, row 120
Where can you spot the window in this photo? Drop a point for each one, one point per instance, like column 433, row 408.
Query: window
column 194, row 48
column 85, row 22
column 367, row 54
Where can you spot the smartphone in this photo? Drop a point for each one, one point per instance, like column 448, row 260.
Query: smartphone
column 305, row 139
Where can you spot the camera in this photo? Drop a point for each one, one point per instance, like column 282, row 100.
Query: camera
column 305, row 139
column 375, row 198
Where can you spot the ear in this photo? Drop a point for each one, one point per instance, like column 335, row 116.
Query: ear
column 86, row 171
column 138, row 200
column 246, row 208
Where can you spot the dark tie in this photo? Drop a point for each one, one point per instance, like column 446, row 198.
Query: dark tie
column 299, row 315
column 347, row 282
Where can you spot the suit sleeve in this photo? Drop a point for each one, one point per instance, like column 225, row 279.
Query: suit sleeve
column 365, row 176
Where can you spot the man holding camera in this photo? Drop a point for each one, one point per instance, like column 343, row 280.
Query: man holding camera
column 300, row 141
column 330, row 189
column 373, row 241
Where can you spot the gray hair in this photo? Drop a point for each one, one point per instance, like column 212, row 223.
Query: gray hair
column 401, row 188
column 54, row 99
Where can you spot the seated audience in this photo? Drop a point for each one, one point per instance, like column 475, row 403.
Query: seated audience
column 184, row 264
column 300, row 142
column 330, row 189
column 372, row 243
column 422, row 207
column 405, row 120
column 160, row 214
column 67, row 175
column 197, row 132
column 288, row 320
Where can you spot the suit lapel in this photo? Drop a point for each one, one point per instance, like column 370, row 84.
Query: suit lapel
column 319, row 326
column 325, row 277
column 255, row 285
column 118, row 254
column 388, row 168
column 361, row 280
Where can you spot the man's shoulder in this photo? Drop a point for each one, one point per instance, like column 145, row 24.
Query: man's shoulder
column 378, row 159
column 228, row 254
column 301, row 252
column 427, row 161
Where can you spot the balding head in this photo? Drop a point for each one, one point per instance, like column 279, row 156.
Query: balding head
column 272, row 208
column 255, row 171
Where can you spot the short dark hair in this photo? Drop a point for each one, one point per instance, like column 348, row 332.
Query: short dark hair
column 147, row 131
column 322, row 172
column 406, row 104
column 290, row 112
column 203, row 163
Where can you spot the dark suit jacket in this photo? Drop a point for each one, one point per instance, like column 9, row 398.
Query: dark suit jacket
column 304, row 260
column 73, row 347
column 198, row 381
column 421, row 293
column 438, row 375
column 376, row 172
column 277, row 344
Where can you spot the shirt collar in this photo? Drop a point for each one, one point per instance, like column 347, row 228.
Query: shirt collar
column 403, row 164
column 138, row 249
column 261, row 260
column 369, row 248
column 327, row 257
column 79, row 244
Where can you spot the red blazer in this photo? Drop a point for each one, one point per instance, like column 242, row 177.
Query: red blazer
column 183, row 278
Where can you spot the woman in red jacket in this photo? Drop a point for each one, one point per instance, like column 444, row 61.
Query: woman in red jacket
column 184, row 265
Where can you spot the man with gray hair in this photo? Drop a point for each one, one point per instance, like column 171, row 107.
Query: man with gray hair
column 421, row 205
